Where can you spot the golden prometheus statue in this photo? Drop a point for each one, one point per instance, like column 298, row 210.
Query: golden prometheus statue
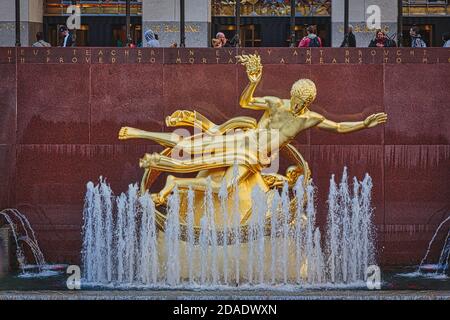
column 238, row 152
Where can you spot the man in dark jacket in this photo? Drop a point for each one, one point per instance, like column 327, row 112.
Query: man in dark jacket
column 349, row 39
column 67, row 38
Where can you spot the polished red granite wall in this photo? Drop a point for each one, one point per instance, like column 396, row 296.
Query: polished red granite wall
column 61, row 110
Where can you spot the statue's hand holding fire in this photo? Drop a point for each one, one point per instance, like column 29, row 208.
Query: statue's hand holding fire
column 253, row 66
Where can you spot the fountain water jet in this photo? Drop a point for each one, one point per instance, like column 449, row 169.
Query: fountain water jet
column 288, row 251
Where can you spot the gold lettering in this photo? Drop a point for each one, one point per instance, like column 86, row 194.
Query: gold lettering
column 61, row 60
column 347, row 52
column 22, row 52
column 113, row 60
column 139, row 52
column 217, row 60
column 9, row 52
column 100, row 60
column 334, row 60
column 152, row 60
column 321, row 60
column 347, row 60
column 191, row 60
column 360, row 60
column 217, row 53
column 74, row 60
column 386, row 60
column 178, row 60
column 269, row 52
column 139, row 59
column 74, row 52
column 48, row 60
column 399, row 53
column 152, row 52
column 204, row 60
column 412, row 53
column 126, row 53
column 386, row 53
column 191, row 53
column 231, row 61
column 49, row 52
column 399, row 60
column 373, row 53
column 282, row 61
column 87, row 52
column 360, row 53
column 295, row 53
column 113, row 52
column 88, row 59
column 9, row 59
column 308, row 60
column 425, row 60
column 22, row 60
column 100, row 53
column 35, row 52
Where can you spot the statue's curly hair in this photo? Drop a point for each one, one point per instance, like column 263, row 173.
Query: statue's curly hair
column 304, row 89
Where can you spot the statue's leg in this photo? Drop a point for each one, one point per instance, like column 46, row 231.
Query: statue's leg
column 199, row 183
column 168, row 164
column 168, row 140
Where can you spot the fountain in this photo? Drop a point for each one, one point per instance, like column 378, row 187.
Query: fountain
column 23, row 233
column 441, row 268
column 122, row 246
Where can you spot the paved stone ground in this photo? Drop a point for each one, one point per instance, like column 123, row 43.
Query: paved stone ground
column 225, row 295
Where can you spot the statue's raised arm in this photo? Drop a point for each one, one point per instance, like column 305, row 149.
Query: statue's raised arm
column 254, row 70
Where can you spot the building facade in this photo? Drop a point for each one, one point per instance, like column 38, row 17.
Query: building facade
column 263, row 23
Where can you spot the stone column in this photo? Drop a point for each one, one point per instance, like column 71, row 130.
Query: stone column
column 163, row 17
column 31, row 17
column 358, row 18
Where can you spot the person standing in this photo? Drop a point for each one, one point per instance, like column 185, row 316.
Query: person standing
column 381, row 41
column 416, row 38
column 67, row 38
column 151, row 40
column 446, row 40
column 311, row 40
column 349, row 39
column 40, row 41
column 221, row 41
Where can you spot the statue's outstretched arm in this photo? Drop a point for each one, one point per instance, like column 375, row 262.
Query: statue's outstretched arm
column 348, row 127
column 253, row 68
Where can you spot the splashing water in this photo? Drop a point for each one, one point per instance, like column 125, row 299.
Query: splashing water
column 281, row 246
column 19, row 223
column 442, row 265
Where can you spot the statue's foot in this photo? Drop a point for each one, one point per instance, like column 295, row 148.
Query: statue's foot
column 124, row 133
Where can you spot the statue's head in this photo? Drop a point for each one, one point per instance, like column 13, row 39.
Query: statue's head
column 303, row 94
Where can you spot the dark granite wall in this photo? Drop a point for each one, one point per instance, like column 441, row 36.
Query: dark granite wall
column 61, row 109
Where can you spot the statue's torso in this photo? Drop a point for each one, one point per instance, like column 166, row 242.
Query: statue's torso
column 289, row 125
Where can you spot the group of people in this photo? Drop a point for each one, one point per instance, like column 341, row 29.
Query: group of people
column 381, row 40
column 66, row 37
